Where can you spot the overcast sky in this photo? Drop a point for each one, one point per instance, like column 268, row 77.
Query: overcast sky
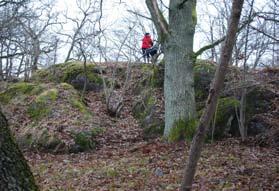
column 115, row 12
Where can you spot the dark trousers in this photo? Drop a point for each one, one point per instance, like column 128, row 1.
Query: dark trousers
column 145, row 54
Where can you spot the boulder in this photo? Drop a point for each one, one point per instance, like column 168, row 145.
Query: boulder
column 72, row 73
column 145, row 110
column 49, row 117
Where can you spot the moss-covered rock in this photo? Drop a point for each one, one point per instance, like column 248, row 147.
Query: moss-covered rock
column 146, row 107
column 85, row 140
column 225, row 120
column 144, row 110
column 154, row 129
column 149, row 76
column 42, row 116
column 203, row 75
column 153, row 75
column 259, row 100
column 144, row 104
column 39, row 139
column 72, row 73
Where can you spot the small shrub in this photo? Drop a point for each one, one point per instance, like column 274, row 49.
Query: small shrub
column 84, row 141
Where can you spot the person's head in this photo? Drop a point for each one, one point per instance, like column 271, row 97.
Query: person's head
column 147, row 34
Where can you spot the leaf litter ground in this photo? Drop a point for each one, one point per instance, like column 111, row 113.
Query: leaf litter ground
column 125, row 161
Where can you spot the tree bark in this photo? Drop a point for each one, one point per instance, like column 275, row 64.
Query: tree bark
column 177, row 38
column 36, row 54
column 179, row 81
column 226, row 53
column 15, row 173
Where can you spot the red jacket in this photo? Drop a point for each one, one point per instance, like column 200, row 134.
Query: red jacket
column 147, row 42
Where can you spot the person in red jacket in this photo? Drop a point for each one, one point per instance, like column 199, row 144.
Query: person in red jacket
column 146, row 44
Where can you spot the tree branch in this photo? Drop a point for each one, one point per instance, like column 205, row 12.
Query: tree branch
column 6, row 2
column 180, row 5
column 161, row 1
column 158, row 19
column 217, row 42
column 265, row 34
column 268, row 18
column 138, row 14
column 209, row 46
column 12, row 55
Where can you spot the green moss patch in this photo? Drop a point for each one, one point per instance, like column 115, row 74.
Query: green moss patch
column 38, row 138
column 21, row 89
column 77, row 103
column 144, row 110
column 225, row 118
column 70, row 72
column 66, row 86
column 85, row 140
column 203, row 75
column 42, row 104
column 226, row 107
column 153, row 76
column 183, row 130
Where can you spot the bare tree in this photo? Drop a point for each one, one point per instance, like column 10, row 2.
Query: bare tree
column 84, row 27
column 26, row 37
column 262, row 23
column 226, row 53
column 36, row 31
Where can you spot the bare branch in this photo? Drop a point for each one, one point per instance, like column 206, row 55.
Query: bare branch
column 12, row 55
column 268, row 18
column 217, row 42
column 138, row 14
column 158, row 19
column 161, row 1
column 180, row 5
column 265, row 34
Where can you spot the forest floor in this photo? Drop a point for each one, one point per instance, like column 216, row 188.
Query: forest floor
column 123, row 160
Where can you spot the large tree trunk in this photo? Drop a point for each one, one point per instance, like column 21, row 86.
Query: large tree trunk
column 15, row 174
column 177, row 41
column 178, row 81
column 197, row 143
